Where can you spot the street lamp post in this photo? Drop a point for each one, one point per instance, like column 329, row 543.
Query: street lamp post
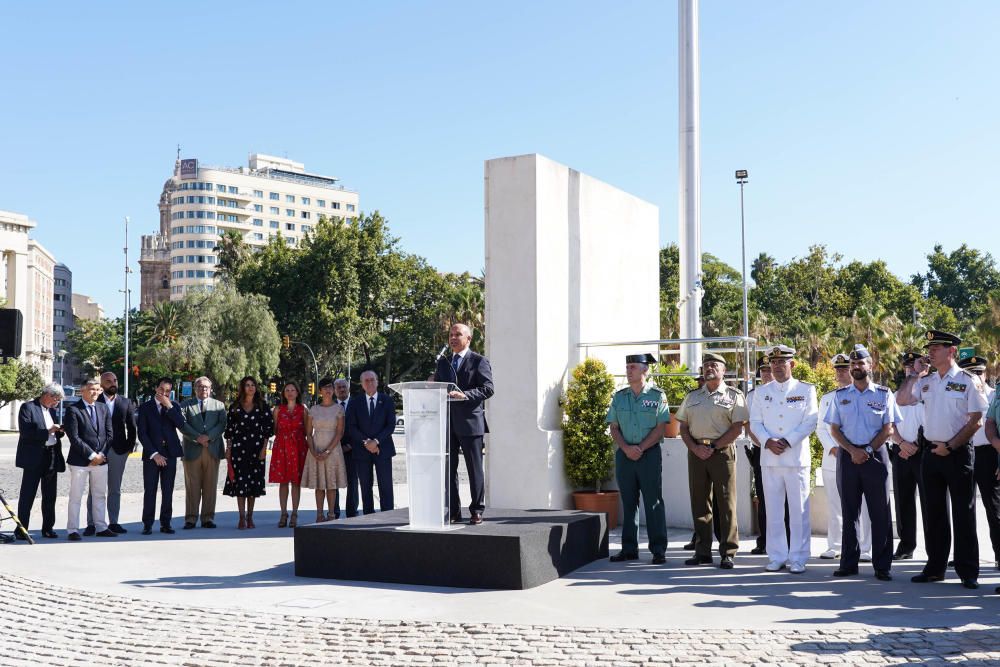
column 742, row 175
column 62, row 380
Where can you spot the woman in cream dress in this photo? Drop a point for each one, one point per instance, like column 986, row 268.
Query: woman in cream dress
column 324, row 469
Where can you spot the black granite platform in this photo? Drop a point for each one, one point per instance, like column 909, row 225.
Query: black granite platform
column 512, row 549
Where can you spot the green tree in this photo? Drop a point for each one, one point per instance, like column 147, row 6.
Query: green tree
column 961, row 280
column 19, row 381
column 98, row 345
column 589, row 452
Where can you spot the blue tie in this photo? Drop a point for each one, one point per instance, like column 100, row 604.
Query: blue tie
column 93, row 416
column 455, row 361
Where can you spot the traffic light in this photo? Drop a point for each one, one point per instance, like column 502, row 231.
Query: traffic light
column 272, row 387
column 286, row 342
column 312, row 388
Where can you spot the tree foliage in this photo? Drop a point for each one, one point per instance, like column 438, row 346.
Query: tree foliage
column 588, row 448
column 19, row 381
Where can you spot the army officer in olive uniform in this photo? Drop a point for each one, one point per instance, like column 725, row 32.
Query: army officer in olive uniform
column 711, row 418
column 637, row 415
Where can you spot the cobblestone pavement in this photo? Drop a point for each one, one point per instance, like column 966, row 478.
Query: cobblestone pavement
column 49, row 625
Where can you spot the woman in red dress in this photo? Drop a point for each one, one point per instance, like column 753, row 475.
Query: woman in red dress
column 288, row 456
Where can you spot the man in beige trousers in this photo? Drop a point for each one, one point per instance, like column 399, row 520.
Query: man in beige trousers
column 204, row 423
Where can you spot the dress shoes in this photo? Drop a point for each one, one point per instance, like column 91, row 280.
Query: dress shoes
column 476, row 519
column 147, row 530
column 107, row 532
column 774, row 566
column 51, row 534
column 689, row 546
column 167, row 529
column 883, row 575
column 866, row 557
column 923, row 578
column 699, row 560
column 456, row 518
column 902, row 555
column 89, row 531
column 21, row 535
column 758, row 551
column 829, row 554
column 116, row 528
column 188, row 525
column 951, row 563
column 621, row 556
column 844, row 572
column 727, row 563
column 971, row 584
column 74, row 537
column 208, row 524
column 796, row 568
column 659, row 559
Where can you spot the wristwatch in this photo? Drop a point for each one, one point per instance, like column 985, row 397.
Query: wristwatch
column 707, row 442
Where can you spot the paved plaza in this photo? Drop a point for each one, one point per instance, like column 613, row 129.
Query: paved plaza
column 206, row 597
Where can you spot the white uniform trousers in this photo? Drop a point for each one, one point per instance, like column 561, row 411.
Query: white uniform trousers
column 792, row 483
column 835, row 517
column 78, row 478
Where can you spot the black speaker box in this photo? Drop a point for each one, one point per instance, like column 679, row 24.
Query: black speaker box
column 11, row 324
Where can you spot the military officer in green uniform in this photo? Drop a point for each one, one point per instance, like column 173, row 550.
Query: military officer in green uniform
column 637, row 415
column 711, row 420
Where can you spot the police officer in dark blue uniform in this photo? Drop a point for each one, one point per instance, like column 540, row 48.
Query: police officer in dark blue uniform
column 861, row 418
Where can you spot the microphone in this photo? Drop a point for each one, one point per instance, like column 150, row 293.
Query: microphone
column 441, row 353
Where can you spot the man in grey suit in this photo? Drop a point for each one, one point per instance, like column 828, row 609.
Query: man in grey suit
column 204, row 423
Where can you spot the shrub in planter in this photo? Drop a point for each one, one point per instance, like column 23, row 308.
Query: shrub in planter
column 589, row 452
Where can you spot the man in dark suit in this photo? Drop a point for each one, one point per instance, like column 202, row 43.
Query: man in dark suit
column 467, row 417
column 371, row 419
column 88, row 427
column 159, row 419
column 342, row 392
column 123, row 424
column 39, row 455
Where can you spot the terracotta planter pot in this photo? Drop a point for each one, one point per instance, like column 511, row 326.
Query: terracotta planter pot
column 673, row 427
column 598, row 501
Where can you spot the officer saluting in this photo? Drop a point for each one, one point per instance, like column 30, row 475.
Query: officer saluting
column 637, row 415
column 861, row 418
column 782, row 415
column 954, row 402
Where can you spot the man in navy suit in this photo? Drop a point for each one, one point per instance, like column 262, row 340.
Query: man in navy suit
column 467, row 417
column 159, row 419
column 342, row 392
column 371, row 419
column 88, row 427
column 39, row 455
column 123, row 425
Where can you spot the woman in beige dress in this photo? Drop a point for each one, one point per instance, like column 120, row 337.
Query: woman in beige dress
column 325, row 470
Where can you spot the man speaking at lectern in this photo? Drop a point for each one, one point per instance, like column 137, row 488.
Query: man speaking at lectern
column 467, row 417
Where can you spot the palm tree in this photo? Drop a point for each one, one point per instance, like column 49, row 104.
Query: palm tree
column 163, row 324
column 815, row 334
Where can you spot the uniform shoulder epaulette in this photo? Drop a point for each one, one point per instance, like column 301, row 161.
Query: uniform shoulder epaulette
column 840, row 389
column 970, row 373
column 653, row 387
column 880, row 387
column 808, row 384
column 625, row 388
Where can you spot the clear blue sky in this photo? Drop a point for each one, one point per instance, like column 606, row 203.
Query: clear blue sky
column 870, row 127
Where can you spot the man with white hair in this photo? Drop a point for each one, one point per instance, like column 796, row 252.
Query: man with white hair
column 39, row 455
column 204, row 424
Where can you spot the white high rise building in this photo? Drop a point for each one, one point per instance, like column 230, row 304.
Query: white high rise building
column 269, row 196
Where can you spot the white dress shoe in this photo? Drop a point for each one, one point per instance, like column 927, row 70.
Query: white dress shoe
column 828, row 554
column 866, row 557
column 797, row 568
column 774, row 566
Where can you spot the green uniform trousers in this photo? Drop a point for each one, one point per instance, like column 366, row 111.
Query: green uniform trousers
column 644, row 476
column 714, row 477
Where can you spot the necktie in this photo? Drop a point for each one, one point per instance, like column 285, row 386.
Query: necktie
column 371, row 406
column 455, row 361
column 93, row 416
column 201, row 406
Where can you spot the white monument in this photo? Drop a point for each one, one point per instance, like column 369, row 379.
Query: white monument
column 569, row 260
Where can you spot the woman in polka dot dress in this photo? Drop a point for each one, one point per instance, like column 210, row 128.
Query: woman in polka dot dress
column 288, row 456
column 248, row 428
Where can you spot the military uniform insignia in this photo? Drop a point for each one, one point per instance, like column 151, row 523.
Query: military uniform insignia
column 930, row 336
column 875, row 405
column 767, row 397
column 955, row 386
column 846, row 401
column 795, row 399
column 650, row 404
column 926, row 387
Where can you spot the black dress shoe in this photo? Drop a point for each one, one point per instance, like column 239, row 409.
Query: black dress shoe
column 208, row 524
column 116, row 528
column 476, row 519
column 622, row 556
column 74, row 537
column 89, row 531
column 21, row 535
column 51, row 534
column 699, row 560
column 167, row 529
column 843, row 572
column 147, row 530
column 882, row 575
column 923, row 578
column 951, row 563
column 107, row 533
column 659, row 559
column 758, row 551
column 971, row 584
column 902, row 555
column 188, row 525
column 727, row 563
column 689, row 546
column 456, row 518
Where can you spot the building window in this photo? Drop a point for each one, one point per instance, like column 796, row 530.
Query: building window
column 290, row 212
column 233, row 190
column 59, row 312
column 290, row 199
column 306, row 201
column 60, row 282
column 257, row 222
column 289, row 241
column 305, row 215
column 259, row 194
column 289, row 226
column 179, row 259
column 275, row 210
column 210, row 259
column 273, row 224
column 190, row 273
column 350, row 207
column 258, row 208
column 275, row 196
column 59, row 297
column 199, row 273
column 258, row 236
column 59, row 328
column 335, row 205
column 307, row 228
column 220, row 188
column 321, row 203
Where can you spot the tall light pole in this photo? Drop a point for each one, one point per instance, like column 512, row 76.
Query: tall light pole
column 62, row 379
column 742, row 176
column 125, row 367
